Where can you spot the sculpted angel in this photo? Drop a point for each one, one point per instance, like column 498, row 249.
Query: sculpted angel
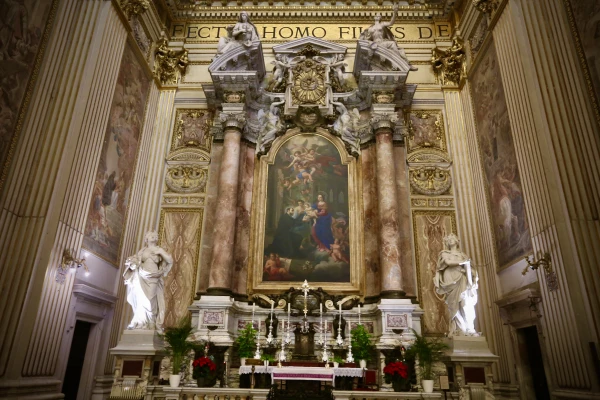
column 271, row 124
column 337, row 66
column 457, row 279
column 243, row 33
column 346, row 126
column 380, row 34
column 144, row 277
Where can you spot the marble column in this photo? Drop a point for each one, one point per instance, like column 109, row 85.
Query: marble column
column 389, row 239
column 224, row 232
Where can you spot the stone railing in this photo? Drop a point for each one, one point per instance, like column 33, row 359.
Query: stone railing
column 168, row 393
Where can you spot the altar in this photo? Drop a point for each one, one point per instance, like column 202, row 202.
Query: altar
column 296, row 373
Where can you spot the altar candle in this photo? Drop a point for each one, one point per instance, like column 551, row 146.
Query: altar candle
column 253, row 306
column 272, row 304
column 321, row 307
column 359, row 314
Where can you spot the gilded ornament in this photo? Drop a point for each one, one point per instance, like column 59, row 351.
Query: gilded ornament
column 425, row 129
column 449, row 64
column 486, row 6
column 186, row 179
column 309, row 83
column 192, row 129
column 383, row 97
column 430, row 180
column 134, row 7
column 234, row 97
column 169, row 65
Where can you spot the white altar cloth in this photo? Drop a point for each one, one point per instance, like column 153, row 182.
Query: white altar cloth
column 302, row 373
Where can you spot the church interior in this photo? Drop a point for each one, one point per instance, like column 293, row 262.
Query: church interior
column 290, row 199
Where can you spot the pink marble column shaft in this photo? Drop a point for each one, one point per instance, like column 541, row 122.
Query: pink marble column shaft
column 225, row 213
column 387, row 193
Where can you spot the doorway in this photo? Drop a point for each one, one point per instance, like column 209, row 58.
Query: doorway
column 534, row 383
column 76, row 359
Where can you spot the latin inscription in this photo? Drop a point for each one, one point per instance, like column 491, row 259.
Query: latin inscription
column 281, row 32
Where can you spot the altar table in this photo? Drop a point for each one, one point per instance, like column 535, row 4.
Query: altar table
column 303, row 373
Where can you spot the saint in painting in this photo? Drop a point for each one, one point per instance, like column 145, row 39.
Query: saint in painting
column 307, row 224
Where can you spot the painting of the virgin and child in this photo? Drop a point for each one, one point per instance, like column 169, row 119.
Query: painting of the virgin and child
column 307, row 229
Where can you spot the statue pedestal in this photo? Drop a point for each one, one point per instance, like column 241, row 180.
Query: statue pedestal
column 138, row 355
column 470, row 360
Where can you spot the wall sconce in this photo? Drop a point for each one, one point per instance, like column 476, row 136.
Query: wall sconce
column 70, row 262
column 544, row 261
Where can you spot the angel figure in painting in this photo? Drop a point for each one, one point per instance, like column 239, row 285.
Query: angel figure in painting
column 144, row 277
column 271, row 124
column 457, row 279
column 380, row 34
column 346, row 126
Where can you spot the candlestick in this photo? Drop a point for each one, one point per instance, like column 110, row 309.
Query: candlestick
column 349, row 357
column 339, row 341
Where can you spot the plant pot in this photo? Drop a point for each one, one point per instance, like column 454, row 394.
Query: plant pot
column 336, row 364
column 174, row 380
column 266, row 363
column 401, row 385
column 243, row 361
column 427, row 385
column 363, row 364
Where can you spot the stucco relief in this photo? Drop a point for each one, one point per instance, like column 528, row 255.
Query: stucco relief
column 425, row 130
column 496, row 145
column 192, row 129
column 180, row 236
column 430, row 227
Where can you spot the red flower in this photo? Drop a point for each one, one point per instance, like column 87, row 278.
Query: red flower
column 203, row 365
column 397, row 368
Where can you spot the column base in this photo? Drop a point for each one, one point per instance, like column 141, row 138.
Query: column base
column 393, row 294
column 217, row 291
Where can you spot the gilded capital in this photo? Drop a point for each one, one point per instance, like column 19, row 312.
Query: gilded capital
column 449, row 64
column 383, row 122
column 134, row 7
column 486, row 6
column 169, row 65
column 232, row 121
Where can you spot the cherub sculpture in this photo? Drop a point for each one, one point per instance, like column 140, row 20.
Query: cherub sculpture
column 336, row 65
column 346, row 126
column 271, row 124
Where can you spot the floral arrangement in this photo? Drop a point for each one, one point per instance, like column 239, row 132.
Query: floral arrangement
column 203, row 367
column 395, row 370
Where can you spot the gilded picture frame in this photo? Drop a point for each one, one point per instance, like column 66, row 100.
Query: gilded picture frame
column 256, row 284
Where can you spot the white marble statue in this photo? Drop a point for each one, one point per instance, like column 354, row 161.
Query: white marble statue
column 347, row 126
column 243, row 33
column 457, row 279
column 337, row 65
column 380, row 34
column 144, row 277
column 270, row 125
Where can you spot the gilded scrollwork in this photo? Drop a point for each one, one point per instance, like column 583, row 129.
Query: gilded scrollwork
column 134, row 7
column 449, row 64
column 382, row 97
column 430, row 180
column 425, row 129
column 192, row 129
column 234, row 97
column 169, row 65
column 186, row 179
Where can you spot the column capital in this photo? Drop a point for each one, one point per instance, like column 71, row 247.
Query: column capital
column 383, row 123
column 233, row 120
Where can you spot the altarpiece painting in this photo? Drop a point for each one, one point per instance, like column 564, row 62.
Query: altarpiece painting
column 304, row 219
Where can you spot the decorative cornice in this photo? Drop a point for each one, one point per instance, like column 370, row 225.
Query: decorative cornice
column 169, row 65
column 449, row 64
column 134, row 7
column 233, row 120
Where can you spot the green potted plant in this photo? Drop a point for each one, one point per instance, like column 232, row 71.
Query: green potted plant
column 361, row 345
column 246, row 342
column 178, row 346
column 337, row 361
column 427, row 351
column 267, row 358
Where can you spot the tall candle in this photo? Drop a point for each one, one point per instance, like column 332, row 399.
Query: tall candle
column 359, row 314
column 253, row 305
column 321, row 307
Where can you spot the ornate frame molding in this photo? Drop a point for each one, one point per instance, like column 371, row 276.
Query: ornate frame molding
column 258, row 212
